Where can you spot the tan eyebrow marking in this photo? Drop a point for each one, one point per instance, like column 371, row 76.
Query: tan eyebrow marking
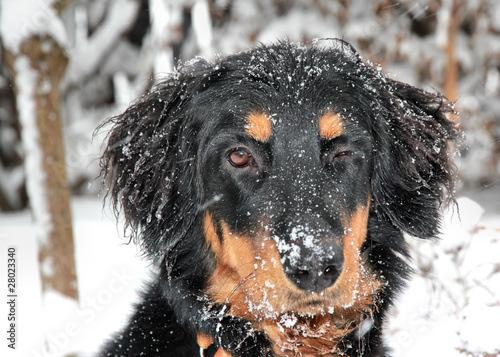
column 330, row 126
column 258, row 126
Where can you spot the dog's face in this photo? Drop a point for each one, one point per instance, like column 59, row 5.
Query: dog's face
column 268, row 167
column 285, row 176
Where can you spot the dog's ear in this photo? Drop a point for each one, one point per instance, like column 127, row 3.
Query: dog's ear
column 413, row 171
column 145, row 160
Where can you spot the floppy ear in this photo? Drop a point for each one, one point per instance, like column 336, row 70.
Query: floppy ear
column 145, row 162
column 413, row 172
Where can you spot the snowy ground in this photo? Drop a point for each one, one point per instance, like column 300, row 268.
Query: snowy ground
column 453, row 302
column 109, row 274
column 453, row 305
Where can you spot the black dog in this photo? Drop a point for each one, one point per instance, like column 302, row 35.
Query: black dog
column 271, row 190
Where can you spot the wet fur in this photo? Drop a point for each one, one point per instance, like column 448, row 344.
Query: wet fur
column 153, row 168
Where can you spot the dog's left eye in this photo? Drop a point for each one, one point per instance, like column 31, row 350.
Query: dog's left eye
column 342, row 154
column 240, row 158
column 335, row 155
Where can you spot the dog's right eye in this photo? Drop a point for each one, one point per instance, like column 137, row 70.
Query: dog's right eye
column 240, row 158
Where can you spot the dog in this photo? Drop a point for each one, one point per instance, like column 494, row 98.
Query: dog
column 271, row 191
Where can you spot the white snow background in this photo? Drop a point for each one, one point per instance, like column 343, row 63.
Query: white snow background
column 451, row 307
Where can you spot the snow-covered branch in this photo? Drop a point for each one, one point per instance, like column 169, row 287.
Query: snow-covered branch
column 87, row 59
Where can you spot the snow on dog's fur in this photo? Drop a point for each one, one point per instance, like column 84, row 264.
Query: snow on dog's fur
column 272, row 189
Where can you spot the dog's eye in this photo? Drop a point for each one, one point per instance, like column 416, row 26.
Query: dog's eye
column 240, row 158
column 330, row 156
column 337, row 155
column 342, row 154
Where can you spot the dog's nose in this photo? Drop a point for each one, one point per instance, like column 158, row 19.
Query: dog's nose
column 317, row 267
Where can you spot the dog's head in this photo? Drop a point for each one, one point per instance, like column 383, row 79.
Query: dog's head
column 267, row 167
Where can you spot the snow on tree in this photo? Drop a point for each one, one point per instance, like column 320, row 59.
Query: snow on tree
column 35, row 54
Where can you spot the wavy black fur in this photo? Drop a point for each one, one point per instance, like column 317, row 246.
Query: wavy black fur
column 154, row 167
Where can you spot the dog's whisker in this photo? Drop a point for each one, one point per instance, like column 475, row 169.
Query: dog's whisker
column 240, row 284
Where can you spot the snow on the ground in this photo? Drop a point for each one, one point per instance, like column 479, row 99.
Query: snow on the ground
column 110, row 273
column 452, row 304
column 453, row 301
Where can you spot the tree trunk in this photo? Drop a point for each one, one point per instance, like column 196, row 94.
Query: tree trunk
column 45, row 61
